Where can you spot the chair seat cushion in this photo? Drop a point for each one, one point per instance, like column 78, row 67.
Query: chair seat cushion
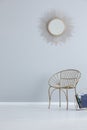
column 64, row 87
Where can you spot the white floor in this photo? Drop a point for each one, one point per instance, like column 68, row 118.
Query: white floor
column 30, row 116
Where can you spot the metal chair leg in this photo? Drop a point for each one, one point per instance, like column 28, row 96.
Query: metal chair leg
column 49, row 97
column 59, row 97
column 67, row 98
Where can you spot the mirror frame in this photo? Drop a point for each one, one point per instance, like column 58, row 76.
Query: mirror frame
column 47, row 35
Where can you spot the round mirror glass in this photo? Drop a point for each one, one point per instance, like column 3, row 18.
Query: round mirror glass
column 56, row 27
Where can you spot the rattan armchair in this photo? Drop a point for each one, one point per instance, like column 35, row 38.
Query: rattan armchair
column 63, row 81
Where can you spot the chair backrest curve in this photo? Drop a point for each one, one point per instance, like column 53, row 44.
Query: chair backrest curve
column 69, row 77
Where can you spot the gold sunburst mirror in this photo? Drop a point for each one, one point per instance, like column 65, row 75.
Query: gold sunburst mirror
column 55, row 27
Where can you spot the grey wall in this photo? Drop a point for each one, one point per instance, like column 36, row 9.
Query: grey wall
column 26, row 60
